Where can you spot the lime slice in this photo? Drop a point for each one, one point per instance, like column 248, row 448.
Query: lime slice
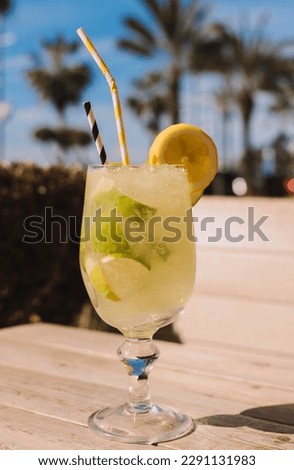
column 128, row 207
column 191, row 146
column 140, row 257
column 124, row 205
column 107, row 237
column 125, row 274
column 99, row 281
column 105, row 200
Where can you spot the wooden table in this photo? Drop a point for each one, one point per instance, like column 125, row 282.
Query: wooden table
column 234, row 374
column 52, row 378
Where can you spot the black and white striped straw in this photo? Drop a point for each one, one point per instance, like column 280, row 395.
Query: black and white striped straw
column 95, row 132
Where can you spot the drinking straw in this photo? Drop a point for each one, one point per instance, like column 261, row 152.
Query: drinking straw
column 114, row 94
column 95, row 132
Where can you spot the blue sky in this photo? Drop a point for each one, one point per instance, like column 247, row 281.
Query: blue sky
column 33, row 20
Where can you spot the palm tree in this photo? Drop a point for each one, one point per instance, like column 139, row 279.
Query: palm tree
column 151, row 101
column 224, row 103
column 178, row 28
column 62, row 85
column 252, row 63
column 283, row 104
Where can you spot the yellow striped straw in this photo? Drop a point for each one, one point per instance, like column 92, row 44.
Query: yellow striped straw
column 114, row 94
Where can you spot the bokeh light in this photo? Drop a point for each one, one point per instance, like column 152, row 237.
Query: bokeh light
column 289, row 185
column 239, row 186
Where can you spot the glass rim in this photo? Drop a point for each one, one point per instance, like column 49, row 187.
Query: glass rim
column 97, row 166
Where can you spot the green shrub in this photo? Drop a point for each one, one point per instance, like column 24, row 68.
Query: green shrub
column 39, row 280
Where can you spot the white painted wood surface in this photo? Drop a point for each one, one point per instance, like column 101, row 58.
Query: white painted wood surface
column 52, row 378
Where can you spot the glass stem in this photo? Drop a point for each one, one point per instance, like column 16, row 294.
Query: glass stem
column 138, row 356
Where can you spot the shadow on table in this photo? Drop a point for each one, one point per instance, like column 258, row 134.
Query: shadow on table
column 275, row 418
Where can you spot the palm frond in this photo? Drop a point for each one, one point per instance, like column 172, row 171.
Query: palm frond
column 65, row 137
column 153, row 6
column 140, row 49
column 148, row 81
column 140, row 29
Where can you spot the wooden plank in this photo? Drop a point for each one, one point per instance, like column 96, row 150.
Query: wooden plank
column 245, row 274
column 73, row 401
column 243, row 322
column 91, row 351
column 64, row 337
column 242, row 393
column 228, row 412
column 69, row 399
column 278, row 227
column 21, row 429
column 256, row 270
column 91, row 367
column 230, row 433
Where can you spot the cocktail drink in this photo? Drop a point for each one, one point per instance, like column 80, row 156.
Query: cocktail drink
column 137, row 260
column 138, row 264
column 137, row 256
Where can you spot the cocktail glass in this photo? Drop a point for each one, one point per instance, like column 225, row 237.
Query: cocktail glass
column 138, row 264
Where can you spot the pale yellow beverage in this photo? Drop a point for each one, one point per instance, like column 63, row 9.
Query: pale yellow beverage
column 137, row 255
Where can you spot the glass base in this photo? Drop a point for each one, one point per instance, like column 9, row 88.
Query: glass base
column 155, row 425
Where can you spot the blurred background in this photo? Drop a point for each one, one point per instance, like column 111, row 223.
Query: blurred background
column 224, row 65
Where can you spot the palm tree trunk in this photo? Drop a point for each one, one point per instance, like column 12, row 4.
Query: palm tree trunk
column 246, row 106
column 246, row 135
column 224, row 123
column 246, row 142
column 174, row 94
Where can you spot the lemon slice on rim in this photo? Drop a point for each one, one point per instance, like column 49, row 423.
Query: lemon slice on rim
column 191, row 146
